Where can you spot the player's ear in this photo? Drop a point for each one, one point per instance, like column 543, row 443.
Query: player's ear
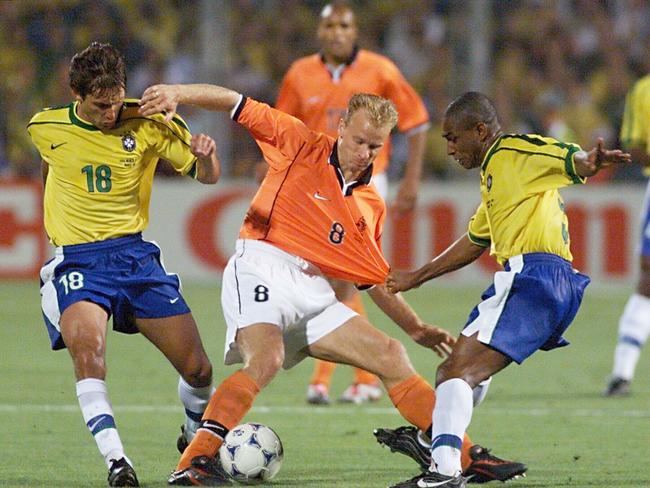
column 342, row 125
column 76, row 95
column 483, row 131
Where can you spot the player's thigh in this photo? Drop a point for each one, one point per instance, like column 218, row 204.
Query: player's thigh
column 471, row 361
column 177, row 337
column 344, row 290
column 359, row 343
column 261, row 347
column 83, row 328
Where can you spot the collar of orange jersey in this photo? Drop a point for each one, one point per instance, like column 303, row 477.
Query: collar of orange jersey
column 363, row 179
column 347, row 62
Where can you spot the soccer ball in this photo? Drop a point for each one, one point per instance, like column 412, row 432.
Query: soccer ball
column 251, row 453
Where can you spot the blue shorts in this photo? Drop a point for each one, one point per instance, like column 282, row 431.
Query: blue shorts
column 644, row 245
column 125, row 276
column 529, row 306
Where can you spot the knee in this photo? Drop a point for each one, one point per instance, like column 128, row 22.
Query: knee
column 198, row 373
column 395, row 361
column 89, row 363
column 450, row 369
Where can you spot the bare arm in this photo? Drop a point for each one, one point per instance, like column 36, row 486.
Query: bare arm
column 208, row 167
column 400, row 312
column 407, row 193
column 459, row 254
column 166, row 98
column 590, row 163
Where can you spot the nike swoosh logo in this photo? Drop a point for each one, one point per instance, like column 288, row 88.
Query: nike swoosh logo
column 318, row 196
column 429, row 484
column 54, row 146
column 95, row 424
column 174, row 300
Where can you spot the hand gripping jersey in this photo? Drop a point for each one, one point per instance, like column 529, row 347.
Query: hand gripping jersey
column 305, row 207
column 99, row 182
column 521, row 209
column 319, row 97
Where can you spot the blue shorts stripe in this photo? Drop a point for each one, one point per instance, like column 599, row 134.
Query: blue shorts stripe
column 630, row 340
column 101, row 422
column 449, row 440
column 193, row 415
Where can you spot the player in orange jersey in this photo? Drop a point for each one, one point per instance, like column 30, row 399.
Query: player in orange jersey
column 314, row 217
column 316, row 89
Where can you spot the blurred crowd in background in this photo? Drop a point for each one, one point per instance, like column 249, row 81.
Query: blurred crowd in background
column 557, row 67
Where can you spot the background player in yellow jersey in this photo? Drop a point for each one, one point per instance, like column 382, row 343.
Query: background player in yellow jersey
column 634, row 324
column 534, row 299
column 99, row 156
column 316, row 89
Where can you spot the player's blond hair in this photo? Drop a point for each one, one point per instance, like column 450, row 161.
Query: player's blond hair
column 381, row 112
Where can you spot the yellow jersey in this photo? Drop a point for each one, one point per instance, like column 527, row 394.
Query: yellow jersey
column 99, row 182
column 635, row 130
column 521, row 209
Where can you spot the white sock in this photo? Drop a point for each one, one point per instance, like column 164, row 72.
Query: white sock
column 633, row 331
column 480, row 391
column 98, row 415
column 195, row 401
column 451, row 416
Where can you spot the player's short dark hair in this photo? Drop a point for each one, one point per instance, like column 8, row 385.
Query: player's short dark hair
column 470, row 109
column 99, row 68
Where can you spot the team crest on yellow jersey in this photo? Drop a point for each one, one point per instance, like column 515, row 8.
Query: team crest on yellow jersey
column 128, row 142
column 488, row 183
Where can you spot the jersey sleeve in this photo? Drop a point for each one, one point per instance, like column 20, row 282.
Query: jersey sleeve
column 288, row 97
column 172, row 143
column 279, row 135
column 479, row 230
column 634, row 130
column 411, row 109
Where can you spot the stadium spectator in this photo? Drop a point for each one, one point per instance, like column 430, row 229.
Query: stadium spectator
column 278, row 304
column 533, row 301
column 94, row 214
column 634, row 324
column 316, row 89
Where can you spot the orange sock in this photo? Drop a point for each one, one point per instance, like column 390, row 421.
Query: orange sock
column 323, row 371
column 415, row 399
column 228, row 405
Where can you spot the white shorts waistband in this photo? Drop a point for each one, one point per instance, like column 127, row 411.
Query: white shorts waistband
column 243, row 245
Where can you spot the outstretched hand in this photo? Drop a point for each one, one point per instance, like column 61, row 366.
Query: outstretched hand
column 160, row 98
column 400, row 280
column 436, row 339
column 600, row 157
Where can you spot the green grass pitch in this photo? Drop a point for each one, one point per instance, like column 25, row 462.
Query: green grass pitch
column 547, row 413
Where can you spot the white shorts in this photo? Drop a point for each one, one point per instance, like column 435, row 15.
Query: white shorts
column 264, row 284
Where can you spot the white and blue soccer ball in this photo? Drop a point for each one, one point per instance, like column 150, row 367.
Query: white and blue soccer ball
column 251, row 453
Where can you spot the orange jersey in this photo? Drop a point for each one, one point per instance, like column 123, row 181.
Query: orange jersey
column 305, row 207
column 320, row 98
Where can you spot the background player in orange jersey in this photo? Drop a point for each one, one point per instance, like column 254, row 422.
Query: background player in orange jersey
column 315, row 216
column 316, row 89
